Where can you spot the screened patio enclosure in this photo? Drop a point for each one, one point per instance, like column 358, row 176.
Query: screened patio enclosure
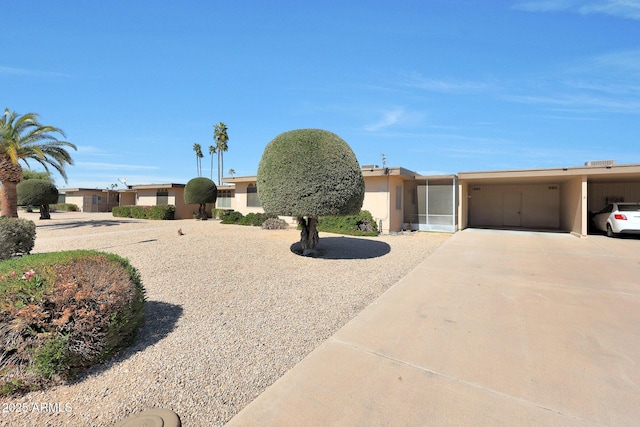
column 432, row 205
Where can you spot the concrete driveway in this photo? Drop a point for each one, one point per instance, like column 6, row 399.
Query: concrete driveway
column 496, row 328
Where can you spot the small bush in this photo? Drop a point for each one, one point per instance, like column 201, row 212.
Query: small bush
column 362, row 224
column 17, row 237
column 121, row 211
column 275, row 224
column 231, row 217
column 162, row 212
column 64, row 207
column 62, row 312
column 255, row 219
column 219, row 213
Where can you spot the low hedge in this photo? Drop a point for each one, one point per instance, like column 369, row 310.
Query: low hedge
column 362, row 224
column 254, row 219
column 61, row 312
column 64, row 207
column 17, row 237
column 166, row 212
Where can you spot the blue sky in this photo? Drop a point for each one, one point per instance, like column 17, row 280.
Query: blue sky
column 438, row 86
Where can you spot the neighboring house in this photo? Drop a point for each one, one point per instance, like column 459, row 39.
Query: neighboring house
column 90, row 199
column 165, row 194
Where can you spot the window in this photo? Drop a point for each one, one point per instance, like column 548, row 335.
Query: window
column 162, row 197
column 252, row 196
column 224, row 199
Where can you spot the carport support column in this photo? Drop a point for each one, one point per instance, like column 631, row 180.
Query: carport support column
column 585, row 217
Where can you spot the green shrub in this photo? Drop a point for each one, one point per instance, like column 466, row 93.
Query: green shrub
column 139, row 212
column 121, row 211
column 231, row 217
column 362, row 224
column 65, row 207
column 255, row 219
column 17, row 237
column 275, row 224
column 62, row 312
column 200, row 191
column 218, row 213
column 164, row 212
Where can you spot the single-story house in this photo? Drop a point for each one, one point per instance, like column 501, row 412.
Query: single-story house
column 90, row 199
column 558, row 199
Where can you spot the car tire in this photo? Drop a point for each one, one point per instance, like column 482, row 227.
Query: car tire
column 610, row 232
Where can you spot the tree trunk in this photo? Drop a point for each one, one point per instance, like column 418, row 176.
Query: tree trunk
column 9, row 199
column 203, row 211
column 45, row 213
column 309, row 235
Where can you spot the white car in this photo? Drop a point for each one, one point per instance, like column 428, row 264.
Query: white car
column 618, row 218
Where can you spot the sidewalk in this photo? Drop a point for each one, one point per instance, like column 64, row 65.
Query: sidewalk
column 495, row 328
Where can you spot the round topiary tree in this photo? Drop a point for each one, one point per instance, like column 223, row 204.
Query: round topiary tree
column 308, row 173
column 200, row 191
column 38, row 192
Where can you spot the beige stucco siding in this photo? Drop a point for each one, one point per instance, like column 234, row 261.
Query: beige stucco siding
column 572, row 204
column 380, row 199
column 175, row 197
column 240, row 201
column 603, row 193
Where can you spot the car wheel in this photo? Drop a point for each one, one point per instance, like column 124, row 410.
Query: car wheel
column 610, row 232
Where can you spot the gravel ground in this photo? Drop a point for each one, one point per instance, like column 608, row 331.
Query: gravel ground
column 230, row 309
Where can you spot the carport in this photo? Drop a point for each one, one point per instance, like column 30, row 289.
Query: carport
column 557, row 199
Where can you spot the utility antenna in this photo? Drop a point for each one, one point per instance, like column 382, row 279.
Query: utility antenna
column 123, row 181
column 384, row 159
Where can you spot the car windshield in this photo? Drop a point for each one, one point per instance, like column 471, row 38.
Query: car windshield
column 629, row 208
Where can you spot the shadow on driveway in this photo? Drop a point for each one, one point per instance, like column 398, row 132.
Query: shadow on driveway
column 346, row 248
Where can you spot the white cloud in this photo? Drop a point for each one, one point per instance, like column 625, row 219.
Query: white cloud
column 629, row 9
column 30, row 73
column 417, row 81
column 389, row 118
column 113, row 166
column 395, row 116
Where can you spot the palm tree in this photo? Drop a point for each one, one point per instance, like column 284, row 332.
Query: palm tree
column 221, row 138
column 212, row 151
column 198, row 149
column 232, row 172
column 25, row 138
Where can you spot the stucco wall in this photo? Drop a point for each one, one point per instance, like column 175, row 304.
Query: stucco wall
column 602, row 193
column 380, row 200
column 240, row 201
column 572, row 206
column 148, row 197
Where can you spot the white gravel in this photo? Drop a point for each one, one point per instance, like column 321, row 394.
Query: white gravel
column 230, row 309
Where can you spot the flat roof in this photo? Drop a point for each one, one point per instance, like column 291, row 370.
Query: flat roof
column 153, row 186
column 629, row 172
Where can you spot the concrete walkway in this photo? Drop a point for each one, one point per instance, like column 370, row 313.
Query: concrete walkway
column 496, row 328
